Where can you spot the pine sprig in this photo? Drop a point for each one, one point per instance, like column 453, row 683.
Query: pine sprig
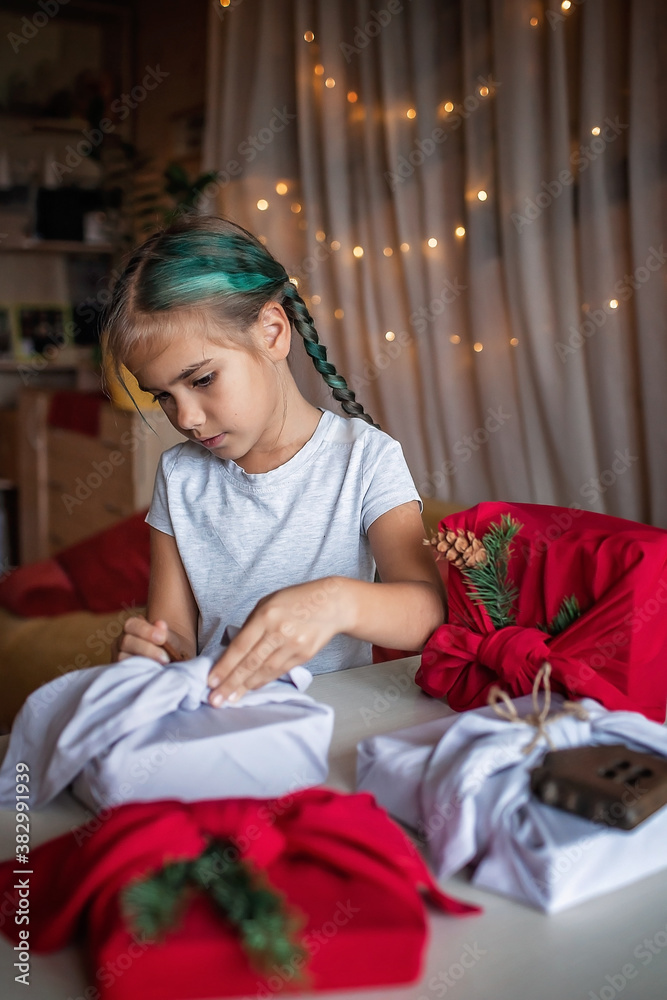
column 568, row 613
column 153, row 905
column 491, row 586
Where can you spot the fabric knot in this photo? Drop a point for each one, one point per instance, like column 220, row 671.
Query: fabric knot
column 505, row 708
column 513, row 652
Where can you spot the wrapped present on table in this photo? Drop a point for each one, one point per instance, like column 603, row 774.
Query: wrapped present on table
column 464, row 783
column 231, row 898
column 139, row 731
column 529, row 583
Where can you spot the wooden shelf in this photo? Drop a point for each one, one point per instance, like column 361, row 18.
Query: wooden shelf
column 58, row 246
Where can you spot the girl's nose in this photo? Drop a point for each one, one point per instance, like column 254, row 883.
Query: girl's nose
column 189, row 415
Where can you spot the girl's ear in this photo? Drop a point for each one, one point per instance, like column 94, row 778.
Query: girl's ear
column 275, row 330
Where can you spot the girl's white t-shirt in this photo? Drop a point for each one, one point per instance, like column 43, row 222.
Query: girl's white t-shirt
column 242, row 536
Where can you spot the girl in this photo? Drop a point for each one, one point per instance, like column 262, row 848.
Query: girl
column 274, row 513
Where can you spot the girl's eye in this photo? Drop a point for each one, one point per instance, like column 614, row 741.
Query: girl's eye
column 205, row 380
column 160, row 397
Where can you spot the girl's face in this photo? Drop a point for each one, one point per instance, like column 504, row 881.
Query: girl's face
column 224, row 398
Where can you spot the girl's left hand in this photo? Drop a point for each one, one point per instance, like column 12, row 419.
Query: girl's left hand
column 285, row 629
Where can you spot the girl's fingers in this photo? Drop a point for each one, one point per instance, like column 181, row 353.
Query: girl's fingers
column 131, row 645
column 250, row 676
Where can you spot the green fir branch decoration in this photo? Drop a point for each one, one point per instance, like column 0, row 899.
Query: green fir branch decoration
column 568, row 613
column 153, row 905
column 491, row 586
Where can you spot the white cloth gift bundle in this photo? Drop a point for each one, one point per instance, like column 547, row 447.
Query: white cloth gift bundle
column 463, row 782
column 138, row 731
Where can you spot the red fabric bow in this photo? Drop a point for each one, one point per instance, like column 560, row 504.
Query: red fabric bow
column 616, row 652
column 338, row 860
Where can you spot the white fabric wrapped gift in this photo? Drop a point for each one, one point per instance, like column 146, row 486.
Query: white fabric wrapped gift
column 463, row 783
column 138, row 731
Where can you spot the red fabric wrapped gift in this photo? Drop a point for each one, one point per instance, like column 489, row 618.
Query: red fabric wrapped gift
column 338, row 860
column 615, row 652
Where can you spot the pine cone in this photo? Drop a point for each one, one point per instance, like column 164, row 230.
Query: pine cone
column 461, row 548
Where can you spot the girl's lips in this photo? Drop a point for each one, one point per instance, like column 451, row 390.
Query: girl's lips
column 212, row 442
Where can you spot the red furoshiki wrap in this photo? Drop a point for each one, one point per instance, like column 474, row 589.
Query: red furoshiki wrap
column 338, row 860
column 615, row 652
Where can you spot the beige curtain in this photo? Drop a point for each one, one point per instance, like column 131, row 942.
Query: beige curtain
column 474, row 207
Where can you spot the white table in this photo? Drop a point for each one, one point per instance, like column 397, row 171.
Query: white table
column 519, row 953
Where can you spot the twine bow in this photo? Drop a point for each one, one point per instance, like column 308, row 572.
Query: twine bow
column 505, row 708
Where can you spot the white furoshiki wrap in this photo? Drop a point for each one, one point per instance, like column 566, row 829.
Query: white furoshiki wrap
column 463, row 782
column 139, row 731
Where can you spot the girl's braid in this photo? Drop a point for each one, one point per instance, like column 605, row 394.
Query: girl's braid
column 297, row 311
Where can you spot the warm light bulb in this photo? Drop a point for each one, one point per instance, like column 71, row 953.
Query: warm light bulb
column 320, row 236
column 225, row 3
column 330, row 82
column 316, row 300
column 338, row 313
column 613, row 303
column 449, row 107
column 482, row 195
column 483, row 91
column 566, row 4
column 309, row 36
column 460, row 231
column 281, row 187
column 455, row 339
column 295, row 282
column 405, row 247
column 296, row 207
column 262, row 238
column 387, row 251
column 390, row 335
column 595, row 130
column 352, row 96
column 335, row 245
column 534, row 22
column 411, row 113
column 358, row 251
column 514, row 341
column 319, row 70
column 432, row 242
column 478, row 347
column 262, row 204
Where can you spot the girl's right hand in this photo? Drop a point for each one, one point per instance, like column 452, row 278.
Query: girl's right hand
column 140, row 638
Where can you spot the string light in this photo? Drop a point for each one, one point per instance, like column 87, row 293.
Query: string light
column 483, row 91
column 262, row 239
column 514, row 341
column 225, row 3
column 262, row 204
column 405, row 247
column 387, row 251
column 281, row 187
column 352, row 96
column 320, row 236
column 566, row 4
column 460, row 231
column 338, row 313
column 295, row 282
column 595, row 130
column 455, row 339
column 448, row 107
column 330, row 82
column 613, row 303
column 432, row 242
column 411, row 113
column 316, row 300
column 478, row 347
column 482, row 195
column 296, row 207
column 534, row 22
column 358, row 251
column 319, row 70
column 335, row 245
column 390, row 335
column 309, row 36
